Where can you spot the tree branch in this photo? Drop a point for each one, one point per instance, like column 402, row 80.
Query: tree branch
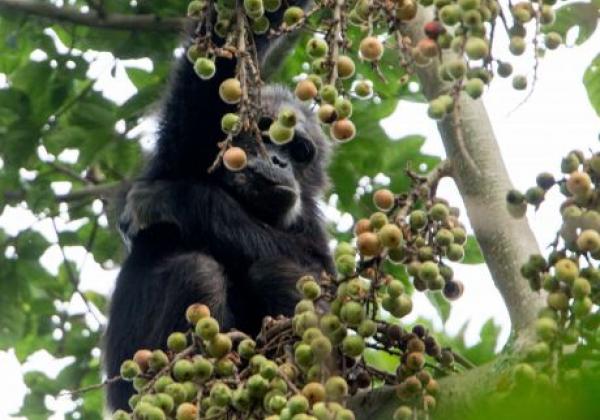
column 71, row 14
column 506, row 243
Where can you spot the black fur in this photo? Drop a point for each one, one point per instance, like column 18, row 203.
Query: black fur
column 225, row 239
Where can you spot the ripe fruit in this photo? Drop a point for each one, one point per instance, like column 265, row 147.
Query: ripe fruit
column 205, row 68
column 314, row 392
column 504, row 69
column 453, row 290
column 342, row 130
column 345, row 67
column 433, row 29
column 368, row 244
column 230, row 91
column 327, row 114
column 234, row 159
column 196, row 312
column 476, row 48
column 306, row 90
column 279, row 134
column 383, row 199
column 579, row 183
column 142, row 358
column 371, row 48
column 428, row 47
column 187, row 411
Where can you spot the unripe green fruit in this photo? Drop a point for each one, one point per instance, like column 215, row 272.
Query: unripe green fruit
column 230, row 91
column 439, row 212
column 436, row 284
column 219, row 346
column 444, row 237
column 304, row 355
column 196, row 8
column 121, row 415
column 257, row 386
column 504, row 69
column 397, row 255
column 343, row 107
column 367, row 328
column 260, row 25
column 519, row 82
column 546, row 328
column 203, row 368
column 524, row 374
column 161, row 383
column 418, row 219
column 378, row 220
column 220, row 395
column 129, row 370
column 403, row 412
column 158, row 360
column 253, row 5
column 183, row 370
column 321, row 348
column 303, row 306
column 336, row 388
column 352, row 313
column 588, row 241
column 428, row 271
column 293, row 15
column 225, row 367
column 205, row 68
column 363, row 89
column 538, row 352
column 566, row 270
column 280, row 134
column 581, row 288
column 177, row 392
column 207, row 328
column 436, row 109
column 345, row 265
column 398, row 307
column 455, row 252
column 517, row 45
column 476, row 48
column 247, row 348
column 390, row 236
column 271, row 5
column 140, row 383
column 353, row 345
column 145, row 410
column 344, row 248
column 450, row 14
column 553, row 40
column 317, row 47
column 287, row 118
column 298, row 404
column 268, row 369
column 535, row 196
column 329, row 93
column 558, row 301
column 177, row 342
column 311, row 290
column 395, row 288
column 570, row 163
column 474, row 88
column 582, row 307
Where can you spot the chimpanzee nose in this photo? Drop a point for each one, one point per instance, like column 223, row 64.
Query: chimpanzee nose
column 278, row 161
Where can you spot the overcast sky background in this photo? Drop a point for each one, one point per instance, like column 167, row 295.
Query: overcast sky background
column 556, row 119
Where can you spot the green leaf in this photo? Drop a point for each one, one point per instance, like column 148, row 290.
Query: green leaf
column 591, row 81
column 473, row 253
column 582, row 15
column 440, row 303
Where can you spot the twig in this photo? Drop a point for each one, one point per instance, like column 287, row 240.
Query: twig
column 90, row 387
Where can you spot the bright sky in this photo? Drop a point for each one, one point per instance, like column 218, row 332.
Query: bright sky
column 556, row 119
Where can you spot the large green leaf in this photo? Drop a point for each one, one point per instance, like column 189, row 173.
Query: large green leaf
column 582, row 15
column 591, row 81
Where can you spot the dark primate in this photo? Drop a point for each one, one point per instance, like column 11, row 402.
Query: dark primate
column 236, row 241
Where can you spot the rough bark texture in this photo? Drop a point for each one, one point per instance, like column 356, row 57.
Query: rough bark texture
column 482, row 179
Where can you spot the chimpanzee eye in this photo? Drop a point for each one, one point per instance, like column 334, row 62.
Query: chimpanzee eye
column 302, row 150
column 264, row 123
